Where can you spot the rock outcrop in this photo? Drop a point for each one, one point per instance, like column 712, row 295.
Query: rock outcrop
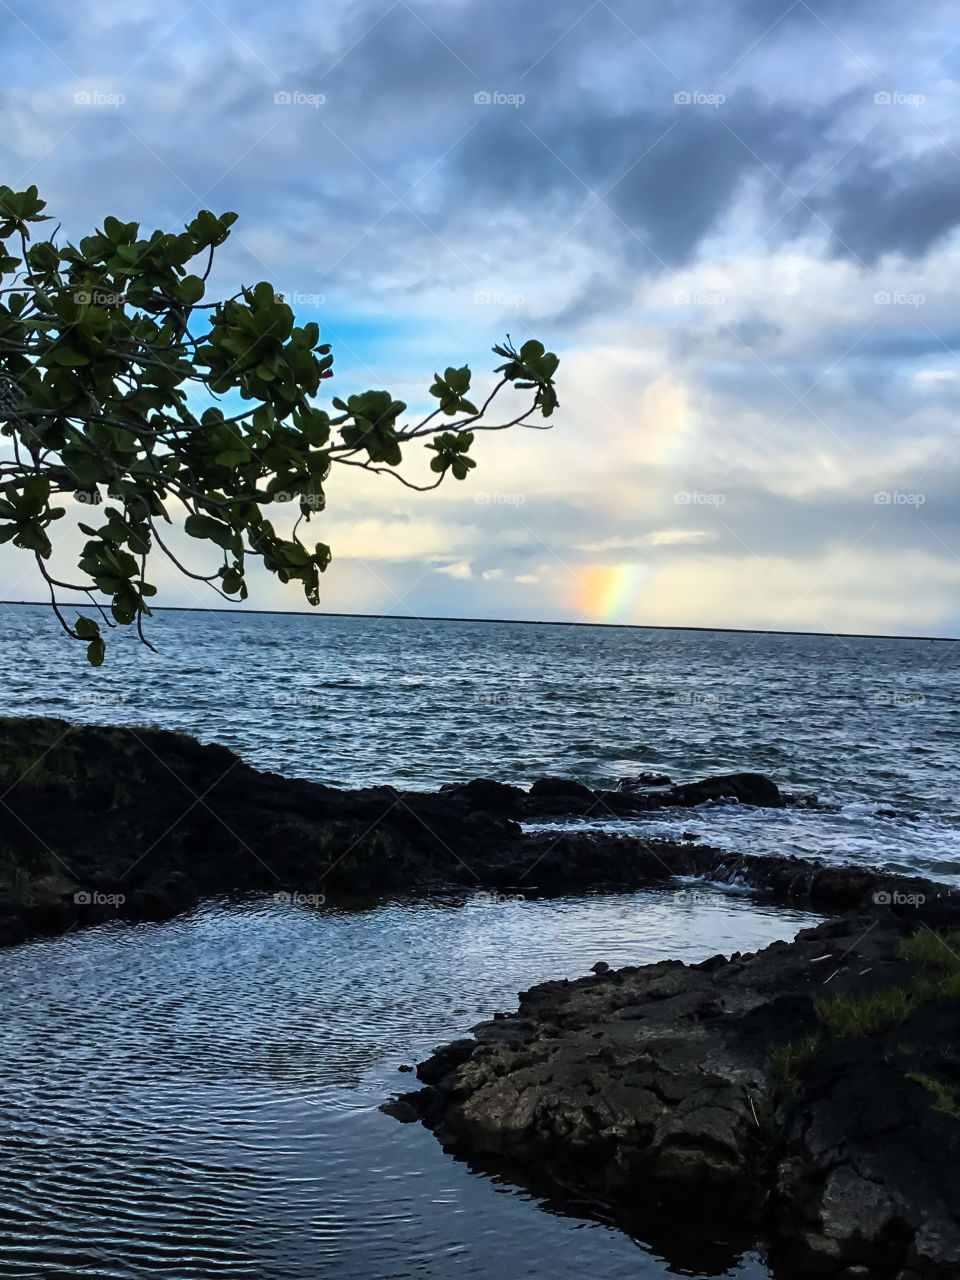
column 810, row 1093
column 98, row 822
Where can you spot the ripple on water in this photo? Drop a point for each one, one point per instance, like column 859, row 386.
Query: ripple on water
column 199, row 1098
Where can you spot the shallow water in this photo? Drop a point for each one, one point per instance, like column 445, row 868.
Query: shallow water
column 869, row 725
column 199, row 1098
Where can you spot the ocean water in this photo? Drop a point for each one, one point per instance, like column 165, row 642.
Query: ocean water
column 872, row 726
column 199, row 1098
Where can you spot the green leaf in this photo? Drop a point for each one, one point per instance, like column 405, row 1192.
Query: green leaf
column 191, row 289
column 86, row 628
column 210, row 530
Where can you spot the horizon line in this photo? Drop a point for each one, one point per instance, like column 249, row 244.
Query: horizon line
column 518, row 622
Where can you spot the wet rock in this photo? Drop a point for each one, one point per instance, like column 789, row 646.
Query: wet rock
column 162, row 820
column 13, row 929
column 561, row 787
column 160, row 898
column 806, row 801
column 401, row 1109
column 487, row 795
column 746, row 788
column 660, row 1083
column 639, row 780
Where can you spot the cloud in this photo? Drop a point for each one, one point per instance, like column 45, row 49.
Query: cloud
column 754, row 298
column 461, row 569
column 661, row 538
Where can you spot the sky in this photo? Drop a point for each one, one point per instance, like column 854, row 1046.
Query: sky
column 737, row 225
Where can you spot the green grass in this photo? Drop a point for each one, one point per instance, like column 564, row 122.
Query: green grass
column 870, row 1015
column 945, row 1098
column 789, row 1062
column 931, row 988
column 933, row 950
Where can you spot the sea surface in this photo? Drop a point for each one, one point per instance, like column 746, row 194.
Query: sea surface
column 199, row 1098
column 871, row 726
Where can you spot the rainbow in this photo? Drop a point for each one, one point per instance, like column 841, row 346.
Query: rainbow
column 606, row 593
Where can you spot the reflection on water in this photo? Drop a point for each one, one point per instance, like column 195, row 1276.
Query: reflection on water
column 199, row 1098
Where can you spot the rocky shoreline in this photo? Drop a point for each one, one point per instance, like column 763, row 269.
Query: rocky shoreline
column 100, row 822
column 807, row 1096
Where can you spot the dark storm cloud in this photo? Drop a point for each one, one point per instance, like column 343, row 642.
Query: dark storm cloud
column 906, row 205
column 200, row 124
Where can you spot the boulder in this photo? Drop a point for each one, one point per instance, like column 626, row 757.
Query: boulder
column 640, row 1088
column 487, row 795
column 746, row 788
column 643, row 780
column 561, row 787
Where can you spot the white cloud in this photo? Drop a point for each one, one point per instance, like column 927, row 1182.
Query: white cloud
column 462, row 569
column 660, row 538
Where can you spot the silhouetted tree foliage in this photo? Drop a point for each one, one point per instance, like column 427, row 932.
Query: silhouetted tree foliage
column 117, row 389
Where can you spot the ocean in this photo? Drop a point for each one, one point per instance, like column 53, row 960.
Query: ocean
column 871, row 726
column 200, row 1097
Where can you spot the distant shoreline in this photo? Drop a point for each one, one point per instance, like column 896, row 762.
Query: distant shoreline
column 517, row 622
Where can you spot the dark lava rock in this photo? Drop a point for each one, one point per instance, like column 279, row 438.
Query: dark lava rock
column 158, row 820
column 401, row 1109
column 643, row 780
column 551, row 787
column 747, row 788
column 718, row 1085
column 487, row 795
column 142, row 823
column 13, row 929
column 807, row 801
